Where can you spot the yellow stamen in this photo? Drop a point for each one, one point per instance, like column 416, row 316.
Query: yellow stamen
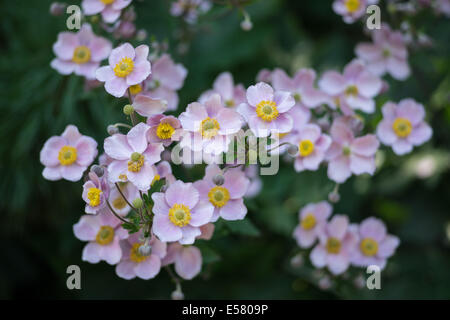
column 229, row 103
column 135, row 256
column 219, row 196
column 180, row 215
column 119, row 203
column 67, row 155
column 135, row 89
column 369, row 247
column 352, row 5
column 107, row 1
column 123, row 177
column 308, row 222
column 333, row 245
column 93, row 196
column 105, row 235
column 156, row 178
column 351, row 90
column 209, row 128
column 81, row 54
column 136, row 162
column 267, row 110
column 124, row 67
column 402, row 127
column 305, row 147
column 165, row 131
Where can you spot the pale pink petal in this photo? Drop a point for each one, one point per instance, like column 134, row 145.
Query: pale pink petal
column 337, row 263
column 91, row 252
column 388, row 246
column 259, row 92
column 188, row 263
column 63, row 67
column 420, row 134
column 284, row 101
column 91, row 7
column 182, row 193
column 339, row 169
column 117, row 147
column 365, row 146
column 165, row 230
column 125, row 270
column 72, row 172
column 137, row 137
column 337, row 227
column 372, row 228
column 104, row 74
column 233, row 210
column 332, row 83
column 361, row 164
column 52, row 173
column 116, row 87
column 201, row 214
column 189, row 233
column 318, row 256
column 126, row 50
column 149, row 268
column 140, row 72
column 402, row 146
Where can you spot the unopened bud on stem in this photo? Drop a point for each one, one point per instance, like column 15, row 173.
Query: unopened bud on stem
column 218, row 179
column 128, row 109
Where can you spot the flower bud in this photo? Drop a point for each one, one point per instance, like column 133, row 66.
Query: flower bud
column 297, row 261
column 218, row 179
column 145, row 250
column 98, row 170
column 292, row 150
column 138, row 203
column 112, row 129
column 57, row 8
column 141, row 35
column 334, row 197
column 177, row 295
column 128, row 109
column 246, row 25
column 163, row 188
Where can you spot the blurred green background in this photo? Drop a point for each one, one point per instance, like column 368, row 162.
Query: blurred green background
column 247, row 259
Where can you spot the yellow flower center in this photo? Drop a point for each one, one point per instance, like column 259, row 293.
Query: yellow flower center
column 402, row 127
column 124, row 67
column 179, row 215
column 119, row 203
column 164, row 131
column 107, row 1
column 229, row 103
column 369, row 247
column 282, row 135
column 351, row 90
column 267, row 110
column 135, row 89
column 67, row 155
column 218, row 196
column 352, row 5
column 93, row 196
column 156, row 178
column 333, row 245
column 297, row 97
column 308, row 222
column 209, row 128
column 81, row 54
column 123, row 177
column 305, row 147
column 136, row 162
column 135, row 256
column 105, row 235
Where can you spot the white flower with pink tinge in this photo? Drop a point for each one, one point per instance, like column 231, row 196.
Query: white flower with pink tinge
column 227, row 198
column 375, row 245
column 103, row 231
column 387, row 54
column 127, row 67
column 209, row 127
column 312, row 217
column 179, row 213
column 301, row 86
column 163, row 129
column 348, row 154
column 312, row 146
column 352, row 90
column 266, row 111
column 133, row 264
column 67, row 156
column 187, row 260
column 80, row 53
column 134, row 157
column 352, row 10
column 166, row 79
column 403, row 127
column 337, row 241
column 109, row 9
column 231, row 95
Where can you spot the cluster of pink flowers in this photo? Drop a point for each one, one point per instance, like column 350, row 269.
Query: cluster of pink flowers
column 339, row 244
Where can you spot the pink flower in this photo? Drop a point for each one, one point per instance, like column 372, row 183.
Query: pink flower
column 133, row 264
column 266, row 110
column 351, row 10
column 336, row 245
column 80, row 53
column 166, row 78
column 348, row 154
column 147, row 106
column 95, row 193
column 127, row 67
column 311, row 217
column 207, row 231
column 374, row 244
column 354, row 89
column 117, row 201
column 67, row 156
column 312, row 145
column 134, row 157
column 255, row 186
column 387, row 53
column 264, row 75
column 179, row 213
column 164, row 129
column 231, row 95
column 209, row 126
column 187, row 260
column 103, row 231
column 403, row 127
column 109, row 9
column 227, row 198
column 301, row 86
column 189, row 9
